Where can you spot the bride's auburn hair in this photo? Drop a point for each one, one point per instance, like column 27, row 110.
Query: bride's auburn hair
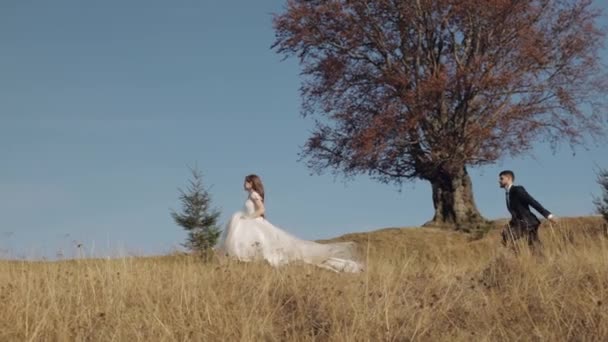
column 256, row 184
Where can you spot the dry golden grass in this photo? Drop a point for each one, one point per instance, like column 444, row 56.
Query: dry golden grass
column 421, row 284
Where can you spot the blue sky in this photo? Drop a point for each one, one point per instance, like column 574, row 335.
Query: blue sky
column 103, row 105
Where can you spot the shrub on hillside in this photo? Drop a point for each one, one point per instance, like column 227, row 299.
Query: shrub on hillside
column 197, row 217
column 601, row 202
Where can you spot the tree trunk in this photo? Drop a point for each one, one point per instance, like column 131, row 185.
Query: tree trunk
column 454, row 203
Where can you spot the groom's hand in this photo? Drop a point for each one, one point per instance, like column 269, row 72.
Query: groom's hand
column 552, row 218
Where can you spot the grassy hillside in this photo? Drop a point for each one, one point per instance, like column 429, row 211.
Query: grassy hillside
column 421, row 284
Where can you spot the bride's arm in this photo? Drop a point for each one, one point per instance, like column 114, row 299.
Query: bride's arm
column 259, row 207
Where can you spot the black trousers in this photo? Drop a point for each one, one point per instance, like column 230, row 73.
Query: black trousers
column 517, row 229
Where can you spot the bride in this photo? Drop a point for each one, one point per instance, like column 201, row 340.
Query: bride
column 249, row 236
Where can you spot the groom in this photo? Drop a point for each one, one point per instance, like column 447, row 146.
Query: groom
column 523, row 222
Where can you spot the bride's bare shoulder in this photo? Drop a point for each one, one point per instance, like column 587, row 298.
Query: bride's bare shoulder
column 255, row 196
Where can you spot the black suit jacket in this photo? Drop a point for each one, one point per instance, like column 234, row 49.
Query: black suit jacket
column 519, row 204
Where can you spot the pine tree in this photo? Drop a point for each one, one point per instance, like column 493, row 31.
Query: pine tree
column 601, row 202
column 197, row 217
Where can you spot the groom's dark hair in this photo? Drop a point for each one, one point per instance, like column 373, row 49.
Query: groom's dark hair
column 508, row 173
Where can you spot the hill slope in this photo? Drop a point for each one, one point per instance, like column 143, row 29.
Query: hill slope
column 421, row 284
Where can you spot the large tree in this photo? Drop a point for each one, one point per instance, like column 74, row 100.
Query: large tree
column 423, row 89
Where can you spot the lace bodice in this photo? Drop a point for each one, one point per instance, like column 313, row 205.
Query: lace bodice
column 249, row 205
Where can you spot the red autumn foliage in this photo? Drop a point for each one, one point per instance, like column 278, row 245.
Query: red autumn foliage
column 424, row 88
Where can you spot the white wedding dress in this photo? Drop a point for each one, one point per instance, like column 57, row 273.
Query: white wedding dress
column 248, row 239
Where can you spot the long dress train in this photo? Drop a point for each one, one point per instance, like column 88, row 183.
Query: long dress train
column 250, row 239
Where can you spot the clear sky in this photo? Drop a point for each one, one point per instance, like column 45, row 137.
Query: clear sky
column 104, row 104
